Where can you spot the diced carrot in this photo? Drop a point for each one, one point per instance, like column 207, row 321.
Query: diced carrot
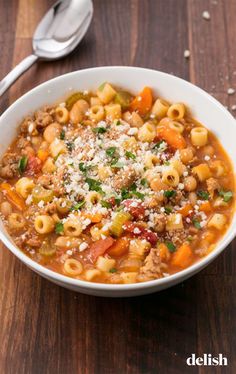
column 171, row 136
column 208, row 236
column 183, row 257
column 12, row 196
column 94, row 217
column 43, row 154
column 120, row 247
column 164, row 252
column 205, row 207
column 99, row 247
column 143, row 102
column 185, row 210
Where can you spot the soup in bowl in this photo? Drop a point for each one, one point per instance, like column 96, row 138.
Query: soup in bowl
column 115, row 188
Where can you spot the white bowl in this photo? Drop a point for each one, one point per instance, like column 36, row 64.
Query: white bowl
column 204, row 108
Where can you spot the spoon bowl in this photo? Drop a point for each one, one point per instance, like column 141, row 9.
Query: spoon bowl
column 62, row 28
column 58, row 33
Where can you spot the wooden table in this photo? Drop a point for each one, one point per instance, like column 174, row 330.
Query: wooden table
column 47, row 329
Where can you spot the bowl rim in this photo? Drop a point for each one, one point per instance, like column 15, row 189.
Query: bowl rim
column 169, row 280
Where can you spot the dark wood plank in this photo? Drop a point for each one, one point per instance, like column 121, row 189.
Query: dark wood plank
column 47, row 329
column 7, row 41
column 208, row 43
column 212, row 48
column 216, row 331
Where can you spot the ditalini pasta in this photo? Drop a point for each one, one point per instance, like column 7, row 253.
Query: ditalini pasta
column 115, row 188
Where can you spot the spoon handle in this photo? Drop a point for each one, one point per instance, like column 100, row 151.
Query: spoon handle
column 16, row 72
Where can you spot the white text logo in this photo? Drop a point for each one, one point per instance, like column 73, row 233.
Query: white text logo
column 207, row 360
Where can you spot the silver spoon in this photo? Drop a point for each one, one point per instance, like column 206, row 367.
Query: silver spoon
column 57, row 34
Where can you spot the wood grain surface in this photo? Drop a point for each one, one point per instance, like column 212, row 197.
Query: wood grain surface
column 47, row 329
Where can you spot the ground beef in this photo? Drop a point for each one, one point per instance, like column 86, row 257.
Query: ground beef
column 29, row 238
column 34, row 242
column 9, row 166
column 178, row 197
column 152, row 265
column 58, row 184
column 43, row 119
column 50, row 208
column 160, row 222
column 22, row 143
column 177, row 237
column 53, row 182
column 124, row 178
column 212, row 186
column 193, row 230
column 45, row 180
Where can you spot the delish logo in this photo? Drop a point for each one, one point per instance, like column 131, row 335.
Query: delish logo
column 207, row 360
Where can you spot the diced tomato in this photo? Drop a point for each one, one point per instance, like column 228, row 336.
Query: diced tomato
column 99, row 247
column 150, row 236
column 135, row 208
column 129, row 226
column 34, row 165
column 112, row 201
column 136, row 229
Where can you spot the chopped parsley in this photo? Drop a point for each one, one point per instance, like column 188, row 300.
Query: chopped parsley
column 138, row 194
column 133, row 187
column 117, row 200
column 94, row 185
column 128, row 194
column 70, row 146
column 62, row 135
column 111, row 151
column 118, row 123
column 159, row 145
column 189, row 238
column 144, row 182
column 99, row 130
column 83, row 167
column 114, row 160
column 169, row 193
column 204, row 195
column 227, row 195
column 168, row 209
column 22, row 164
column 170, row 246
column 196, row 224
column 113, row 270
column 125, row 194
column 59, row 228
column 130, row 155
column 78, row 205
column 133, row 190
column 105, row 204
column 167, row 163
column 117, row 165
